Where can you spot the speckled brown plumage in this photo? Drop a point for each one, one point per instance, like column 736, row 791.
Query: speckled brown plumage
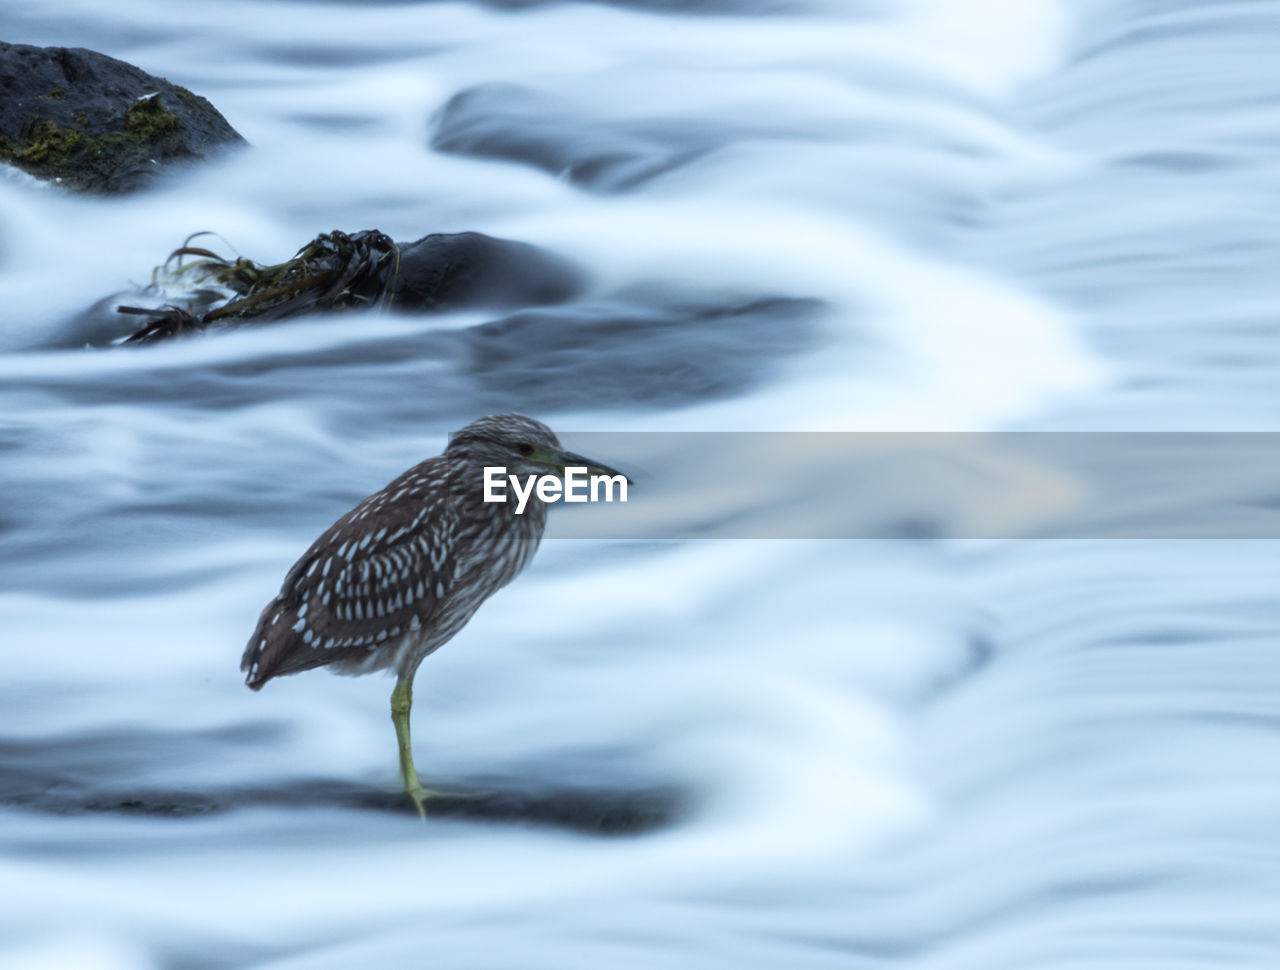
column 402, row 572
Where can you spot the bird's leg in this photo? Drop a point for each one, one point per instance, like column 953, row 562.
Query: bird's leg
column 401, row 703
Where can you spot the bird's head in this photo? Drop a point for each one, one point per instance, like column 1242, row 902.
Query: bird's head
column 520, row 444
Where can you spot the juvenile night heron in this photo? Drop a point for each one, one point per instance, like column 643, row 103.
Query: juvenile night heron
column 401, row 573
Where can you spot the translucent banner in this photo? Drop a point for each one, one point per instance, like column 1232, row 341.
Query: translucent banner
column 1027, row 485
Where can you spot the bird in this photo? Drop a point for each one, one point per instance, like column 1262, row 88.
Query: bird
column 399, row 575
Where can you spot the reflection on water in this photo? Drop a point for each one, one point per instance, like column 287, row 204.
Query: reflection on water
column 923, row 750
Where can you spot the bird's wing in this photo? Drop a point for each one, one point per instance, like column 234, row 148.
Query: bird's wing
column 378, row 573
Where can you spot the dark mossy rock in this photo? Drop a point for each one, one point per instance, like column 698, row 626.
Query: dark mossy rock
column 96, row 124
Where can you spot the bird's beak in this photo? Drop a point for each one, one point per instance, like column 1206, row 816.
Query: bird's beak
column 569, row 459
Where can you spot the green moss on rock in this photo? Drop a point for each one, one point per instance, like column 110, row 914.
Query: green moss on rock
column 97, row 124
column 50, row 151
column 47, row 147
column 191, row 99
column 147, row 118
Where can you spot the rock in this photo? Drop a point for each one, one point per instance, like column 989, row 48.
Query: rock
column 93, row 123
column 508, row 121
column 451, row 271
column 335, row 272
column 620, row 356
column 123, row 772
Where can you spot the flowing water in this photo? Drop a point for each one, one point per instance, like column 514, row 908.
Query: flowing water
column 819, row 215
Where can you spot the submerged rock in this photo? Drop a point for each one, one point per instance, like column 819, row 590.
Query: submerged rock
column 620, row 355
column 127, row 772
column 519, row 124
column 334, row 272
column 93, row 123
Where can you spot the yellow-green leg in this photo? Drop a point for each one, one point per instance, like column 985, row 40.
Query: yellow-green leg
column 401, row 702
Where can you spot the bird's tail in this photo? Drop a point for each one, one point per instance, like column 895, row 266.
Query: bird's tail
column 258, row 662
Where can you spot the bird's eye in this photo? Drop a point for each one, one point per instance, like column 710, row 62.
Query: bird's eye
column 524, row 448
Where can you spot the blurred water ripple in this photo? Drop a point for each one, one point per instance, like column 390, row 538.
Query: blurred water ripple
column 825, row 216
